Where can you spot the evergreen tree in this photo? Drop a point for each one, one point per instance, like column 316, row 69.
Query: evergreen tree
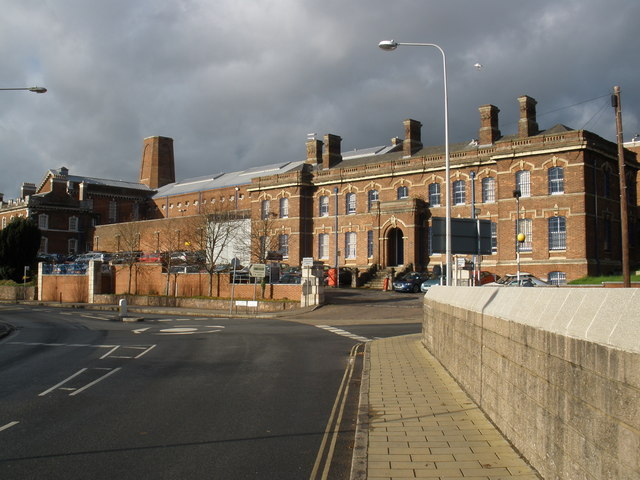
column 19, row 244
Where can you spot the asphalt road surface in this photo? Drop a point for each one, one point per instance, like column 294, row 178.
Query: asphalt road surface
column 175, row 398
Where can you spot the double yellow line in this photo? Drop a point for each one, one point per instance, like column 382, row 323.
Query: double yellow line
column 331, row 432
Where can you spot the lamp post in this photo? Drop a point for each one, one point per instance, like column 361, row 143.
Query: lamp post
column 31, row 89
column 520, row 237
column 390, row 45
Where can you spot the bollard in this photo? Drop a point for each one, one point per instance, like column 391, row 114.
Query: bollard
column 123, row 307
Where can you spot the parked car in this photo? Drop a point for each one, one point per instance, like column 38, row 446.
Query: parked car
column 410, row 282
column 511, row 280
column 487, row 277
column 125, row 258
column 97, row 256
column 151, row 258
column 291, row 278
column 424, row 286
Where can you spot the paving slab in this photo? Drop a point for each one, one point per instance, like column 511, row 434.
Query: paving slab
column 421, row 424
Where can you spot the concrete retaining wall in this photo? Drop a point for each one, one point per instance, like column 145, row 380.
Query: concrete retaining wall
column 556, row 369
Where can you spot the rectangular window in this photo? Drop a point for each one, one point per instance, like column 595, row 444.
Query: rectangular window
column 44, row 245
column 350, row 245
column 403, row 192
column 324, row 206
column 113, row 211
column 434, row 194
column 72, row 246
column 557, row 233
column 73, row 224
column 606, row 241
column 43, row 221
column 284, row 207
column 488, row 190
column 494, row 238
column 525, row 226
column 523, row 183
column 283, row 245
column 556, row 180
column 370, row 244
column 459, row 192
column 323, row 245
column 351, row 203
column 557, row 278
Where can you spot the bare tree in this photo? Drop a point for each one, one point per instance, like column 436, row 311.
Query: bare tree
column 216, row 235
column 127, row 244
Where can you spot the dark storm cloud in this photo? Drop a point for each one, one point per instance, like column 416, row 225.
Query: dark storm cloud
column 242, row 83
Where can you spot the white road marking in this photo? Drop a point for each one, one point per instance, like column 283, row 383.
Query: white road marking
column 38, row 344
column 8, row 425
column 344, row 333
column 46, row 392
column 140, row 330
column 89, row 385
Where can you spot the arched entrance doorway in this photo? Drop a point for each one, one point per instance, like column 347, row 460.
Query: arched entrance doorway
column 395, row 247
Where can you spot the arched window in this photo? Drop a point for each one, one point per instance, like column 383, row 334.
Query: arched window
column 459, row 192
column 351, row 203
column 488, row 190
column 523, row 182
column 284, row 207
column 265, row 208
column 324, row 206
column 372, row 198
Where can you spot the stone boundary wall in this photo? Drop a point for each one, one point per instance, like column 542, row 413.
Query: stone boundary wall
column 18, row 292
column 557, row 370
column 196, row 303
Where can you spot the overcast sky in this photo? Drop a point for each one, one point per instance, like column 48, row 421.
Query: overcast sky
column 239, row 83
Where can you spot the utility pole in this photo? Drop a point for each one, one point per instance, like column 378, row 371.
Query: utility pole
column 624, row 222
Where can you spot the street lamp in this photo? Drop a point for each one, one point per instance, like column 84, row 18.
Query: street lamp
column 390, row 45
column 520, row 237
column 31, row 89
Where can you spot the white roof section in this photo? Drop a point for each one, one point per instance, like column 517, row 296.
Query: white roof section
column 225, row 179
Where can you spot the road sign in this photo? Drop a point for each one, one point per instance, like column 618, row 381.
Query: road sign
column 307, row 261
column 258, row 270
column 468, row 236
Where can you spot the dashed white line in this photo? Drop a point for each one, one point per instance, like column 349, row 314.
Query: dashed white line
column 344, row 333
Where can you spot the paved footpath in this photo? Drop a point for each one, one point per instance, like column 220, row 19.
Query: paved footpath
column 422, row 425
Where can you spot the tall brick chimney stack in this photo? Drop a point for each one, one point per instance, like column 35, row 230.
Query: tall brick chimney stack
column 527, row 125
column 489, row 131
column 157, row 167
column 314, row 151
column 332, row 154
column 412, row 137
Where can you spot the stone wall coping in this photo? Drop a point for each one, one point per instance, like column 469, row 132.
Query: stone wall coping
column 606, row 316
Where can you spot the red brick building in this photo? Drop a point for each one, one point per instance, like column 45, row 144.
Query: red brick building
column 374, row 207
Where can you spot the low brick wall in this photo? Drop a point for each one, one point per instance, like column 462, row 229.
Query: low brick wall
column 148, row 279
column 64, row 288
column 557, row 370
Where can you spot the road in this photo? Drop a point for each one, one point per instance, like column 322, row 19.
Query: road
column 169, row 398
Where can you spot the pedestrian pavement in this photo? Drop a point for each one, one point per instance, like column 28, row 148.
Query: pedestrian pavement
column 421, row 424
